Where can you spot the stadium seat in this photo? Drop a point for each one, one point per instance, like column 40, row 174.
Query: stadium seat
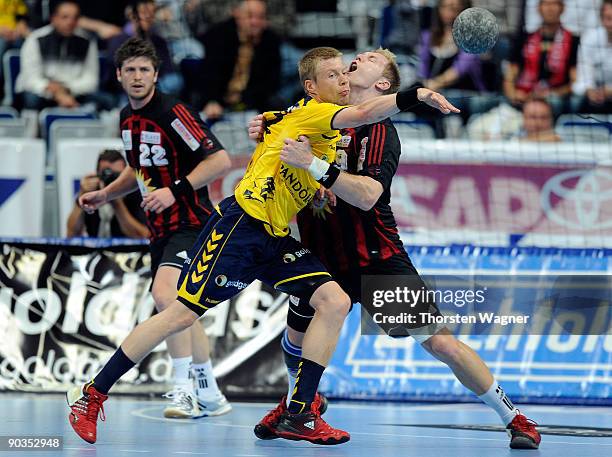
column 48, row 116
column 11, row 64
column 12, row 128
column 416, row 129
column 584, row 133
column 7, row 112
column 74, row 129
column 233, row 136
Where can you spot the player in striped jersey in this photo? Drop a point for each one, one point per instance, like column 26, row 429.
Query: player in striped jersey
column 171, row 158
column 358, row 236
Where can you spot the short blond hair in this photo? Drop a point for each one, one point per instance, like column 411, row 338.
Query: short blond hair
column 307, row 67
column 391, row 71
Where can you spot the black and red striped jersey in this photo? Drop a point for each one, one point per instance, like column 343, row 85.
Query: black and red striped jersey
column 344, row 237
column 164, row 141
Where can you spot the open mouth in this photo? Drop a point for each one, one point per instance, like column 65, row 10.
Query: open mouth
column 353, row 66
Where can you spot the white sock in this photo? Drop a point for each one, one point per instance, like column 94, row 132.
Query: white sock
column 496, row 398
column 291, row 385
column 206, row 384
column 181, row 371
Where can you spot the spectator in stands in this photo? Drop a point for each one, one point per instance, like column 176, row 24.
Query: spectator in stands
column 171, row 24
column 538, row 121
column 104, row 18
column 578, row 16
column 543, row 63
column 120, row 218
column 59, row 63
column 594, row 75
column 400, row 26
column 13, row 27
column 243, row 62
column 141, row 15
column 445, row 68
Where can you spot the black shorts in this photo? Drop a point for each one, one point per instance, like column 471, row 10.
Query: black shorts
column 233, row 250
column 301, row 313
column 172, row 250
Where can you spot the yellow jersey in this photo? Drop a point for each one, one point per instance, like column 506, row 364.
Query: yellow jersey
column 272, row 191
column 11, row 11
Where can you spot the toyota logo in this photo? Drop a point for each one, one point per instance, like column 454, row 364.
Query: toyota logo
column 591, row 197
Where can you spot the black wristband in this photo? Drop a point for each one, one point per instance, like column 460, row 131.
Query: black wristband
column 329, row 178
column 407, row 99
column 181, row 187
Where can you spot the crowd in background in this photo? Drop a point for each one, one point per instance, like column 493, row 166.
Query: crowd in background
column 224, row 56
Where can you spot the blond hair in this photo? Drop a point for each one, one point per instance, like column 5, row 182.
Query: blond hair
column 391, row 71
column 307, row 67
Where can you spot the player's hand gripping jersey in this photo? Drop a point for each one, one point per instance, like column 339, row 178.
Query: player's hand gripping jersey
column 272, row 191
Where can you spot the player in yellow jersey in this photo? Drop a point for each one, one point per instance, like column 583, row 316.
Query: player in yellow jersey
column 248, row 238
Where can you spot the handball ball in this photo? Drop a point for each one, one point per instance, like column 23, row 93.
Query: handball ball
column 475, row 30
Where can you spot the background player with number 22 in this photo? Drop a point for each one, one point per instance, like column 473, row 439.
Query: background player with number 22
column 171, row 157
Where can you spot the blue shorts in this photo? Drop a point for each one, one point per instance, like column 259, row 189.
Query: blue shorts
column 235, row 249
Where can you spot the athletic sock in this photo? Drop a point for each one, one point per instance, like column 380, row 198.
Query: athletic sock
column 206, row 384
column 496, row 399
column 292, row 355
column 306, row 385
column 181, row 367
column 117, row 366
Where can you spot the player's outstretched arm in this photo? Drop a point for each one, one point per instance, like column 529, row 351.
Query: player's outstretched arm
column 204, row 173
column 360, row 191
column 123, row 185
column 379, row 108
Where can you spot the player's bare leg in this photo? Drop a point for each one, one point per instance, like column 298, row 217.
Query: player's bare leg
column 187, row 400
column 303, row 419
column 86, row 401
column 467, row 366
column 183, row 403
column 474, row 374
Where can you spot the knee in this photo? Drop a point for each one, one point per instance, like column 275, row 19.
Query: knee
column 334, row 304
column 162, row 298
column 445, row 348
column 180, row 316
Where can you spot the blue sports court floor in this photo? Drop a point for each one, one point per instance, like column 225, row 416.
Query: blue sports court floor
column 136, row 428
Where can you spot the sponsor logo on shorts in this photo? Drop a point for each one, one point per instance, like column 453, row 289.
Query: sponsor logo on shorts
column 211, row 301
column 292, row 257
column 222, row 281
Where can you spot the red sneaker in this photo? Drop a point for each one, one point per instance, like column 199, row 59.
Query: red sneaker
column 85, row 404
column 310, row 427
column 266, row 429
column 523, row 433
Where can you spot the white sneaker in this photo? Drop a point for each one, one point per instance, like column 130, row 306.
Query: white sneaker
column 213, row 407
column 183, row 404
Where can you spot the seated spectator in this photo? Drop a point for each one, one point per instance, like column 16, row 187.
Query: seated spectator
column 445, row 68
column 13, row 27
column 141, row 15
column 543, row 63
column 594, row 75
column 104, row 18
column 121, row 218
column 578, row 16
column 538, row 122
column 171, row 24
column 59, row 63
column 242, row 64
column 400, row 27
